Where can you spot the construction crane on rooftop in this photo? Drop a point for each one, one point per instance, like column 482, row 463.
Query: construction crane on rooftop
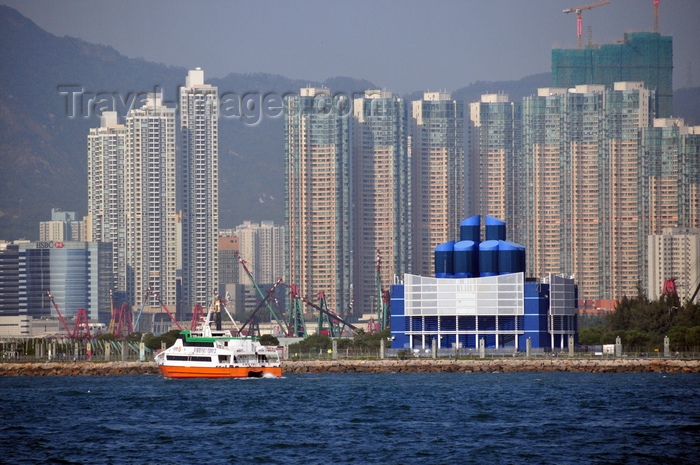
column 579, row 16
column 656, row 16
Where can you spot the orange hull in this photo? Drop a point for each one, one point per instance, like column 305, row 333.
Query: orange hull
column 219, row 372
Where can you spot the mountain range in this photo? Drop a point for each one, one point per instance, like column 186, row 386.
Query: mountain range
column 43, row 136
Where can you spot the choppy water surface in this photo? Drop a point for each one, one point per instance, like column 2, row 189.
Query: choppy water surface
column 520, row 418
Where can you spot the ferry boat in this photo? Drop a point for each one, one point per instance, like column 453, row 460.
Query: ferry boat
column 216, row 353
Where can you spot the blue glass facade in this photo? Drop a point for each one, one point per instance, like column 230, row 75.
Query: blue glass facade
column 78, row 275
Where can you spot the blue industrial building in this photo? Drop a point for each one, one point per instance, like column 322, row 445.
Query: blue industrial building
column 480, row 292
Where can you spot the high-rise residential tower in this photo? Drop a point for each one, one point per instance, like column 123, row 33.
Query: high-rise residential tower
column 437, row 175
column 149, row 203
column 262, row 246
column 318, row 195
column 671, row 174
column 106, row 215
column 64, row 226
column 131, row 199
column 583, row 168
column 382, row 203
column 495, row 179
column 674, row 253
column 200, row 189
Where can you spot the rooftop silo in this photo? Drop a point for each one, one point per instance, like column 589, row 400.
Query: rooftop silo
column 469, row 229
column 488, row 258
column 444, row 260
column 495, row 229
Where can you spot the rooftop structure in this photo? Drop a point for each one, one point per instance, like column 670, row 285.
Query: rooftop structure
column 641, row 56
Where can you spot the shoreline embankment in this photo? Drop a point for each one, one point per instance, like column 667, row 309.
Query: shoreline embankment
column 496, row 365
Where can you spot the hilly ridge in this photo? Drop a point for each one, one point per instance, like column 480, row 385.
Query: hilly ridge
column 43, row 149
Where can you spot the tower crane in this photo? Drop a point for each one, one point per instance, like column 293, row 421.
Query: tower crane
column 656, row 16
column 579, row 16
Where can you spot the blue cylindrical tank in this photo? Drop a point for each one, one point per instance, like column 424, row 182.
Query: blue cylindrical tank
column 488, row 258
column 495, row 229
column 469, row 229
column 444, row 260
column 521, row 258
column 508, row 257
column 466, row 260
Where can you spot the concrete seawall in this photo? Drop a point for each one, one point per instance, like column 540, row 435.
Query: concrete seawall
column 634, row 365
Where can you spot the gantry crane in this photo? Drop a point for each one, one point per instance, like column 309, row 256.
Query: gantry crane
column 579, row 16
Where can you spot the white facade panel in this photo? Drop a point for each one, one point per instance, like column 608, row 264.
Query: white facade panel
column 493, row 295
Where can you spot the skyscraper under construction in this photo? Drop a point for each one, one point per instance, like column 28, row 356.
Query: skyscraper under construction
column 642, row 56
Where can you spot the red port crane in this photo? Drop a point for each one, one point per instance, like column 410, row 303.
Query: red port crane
column 82, row 325
column 124, row 324
column 162, row 305
column 579, row 16
column 197, row 316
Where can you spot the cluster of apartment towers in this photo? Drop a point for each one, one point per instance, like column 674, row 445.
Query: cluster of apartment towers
column 584, row 172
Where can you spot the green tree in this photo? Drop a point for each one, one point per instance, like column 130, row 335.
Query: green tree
column 591, row 336
column 269, row 340
column 678, row 337
column 610, row 337
column 693, row 338
column 154, row 342
column 637, row 340
column 106, row 337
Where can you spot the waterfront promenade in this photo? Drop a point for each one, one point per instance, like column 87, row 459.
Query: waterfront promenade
column 495, row 365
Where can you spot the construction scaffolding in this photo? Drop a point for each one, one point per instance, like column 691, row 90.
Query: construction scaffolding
column 641, row 56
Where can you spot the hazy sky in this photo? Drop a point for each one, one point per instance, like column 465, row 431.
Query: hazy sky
column 403, row 46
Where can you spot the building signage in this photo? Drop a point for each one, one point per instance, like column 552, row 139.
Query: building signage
column 49, row 245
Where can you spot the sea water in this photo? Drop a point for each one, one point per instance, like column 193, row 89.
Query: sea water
column 429, row 418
